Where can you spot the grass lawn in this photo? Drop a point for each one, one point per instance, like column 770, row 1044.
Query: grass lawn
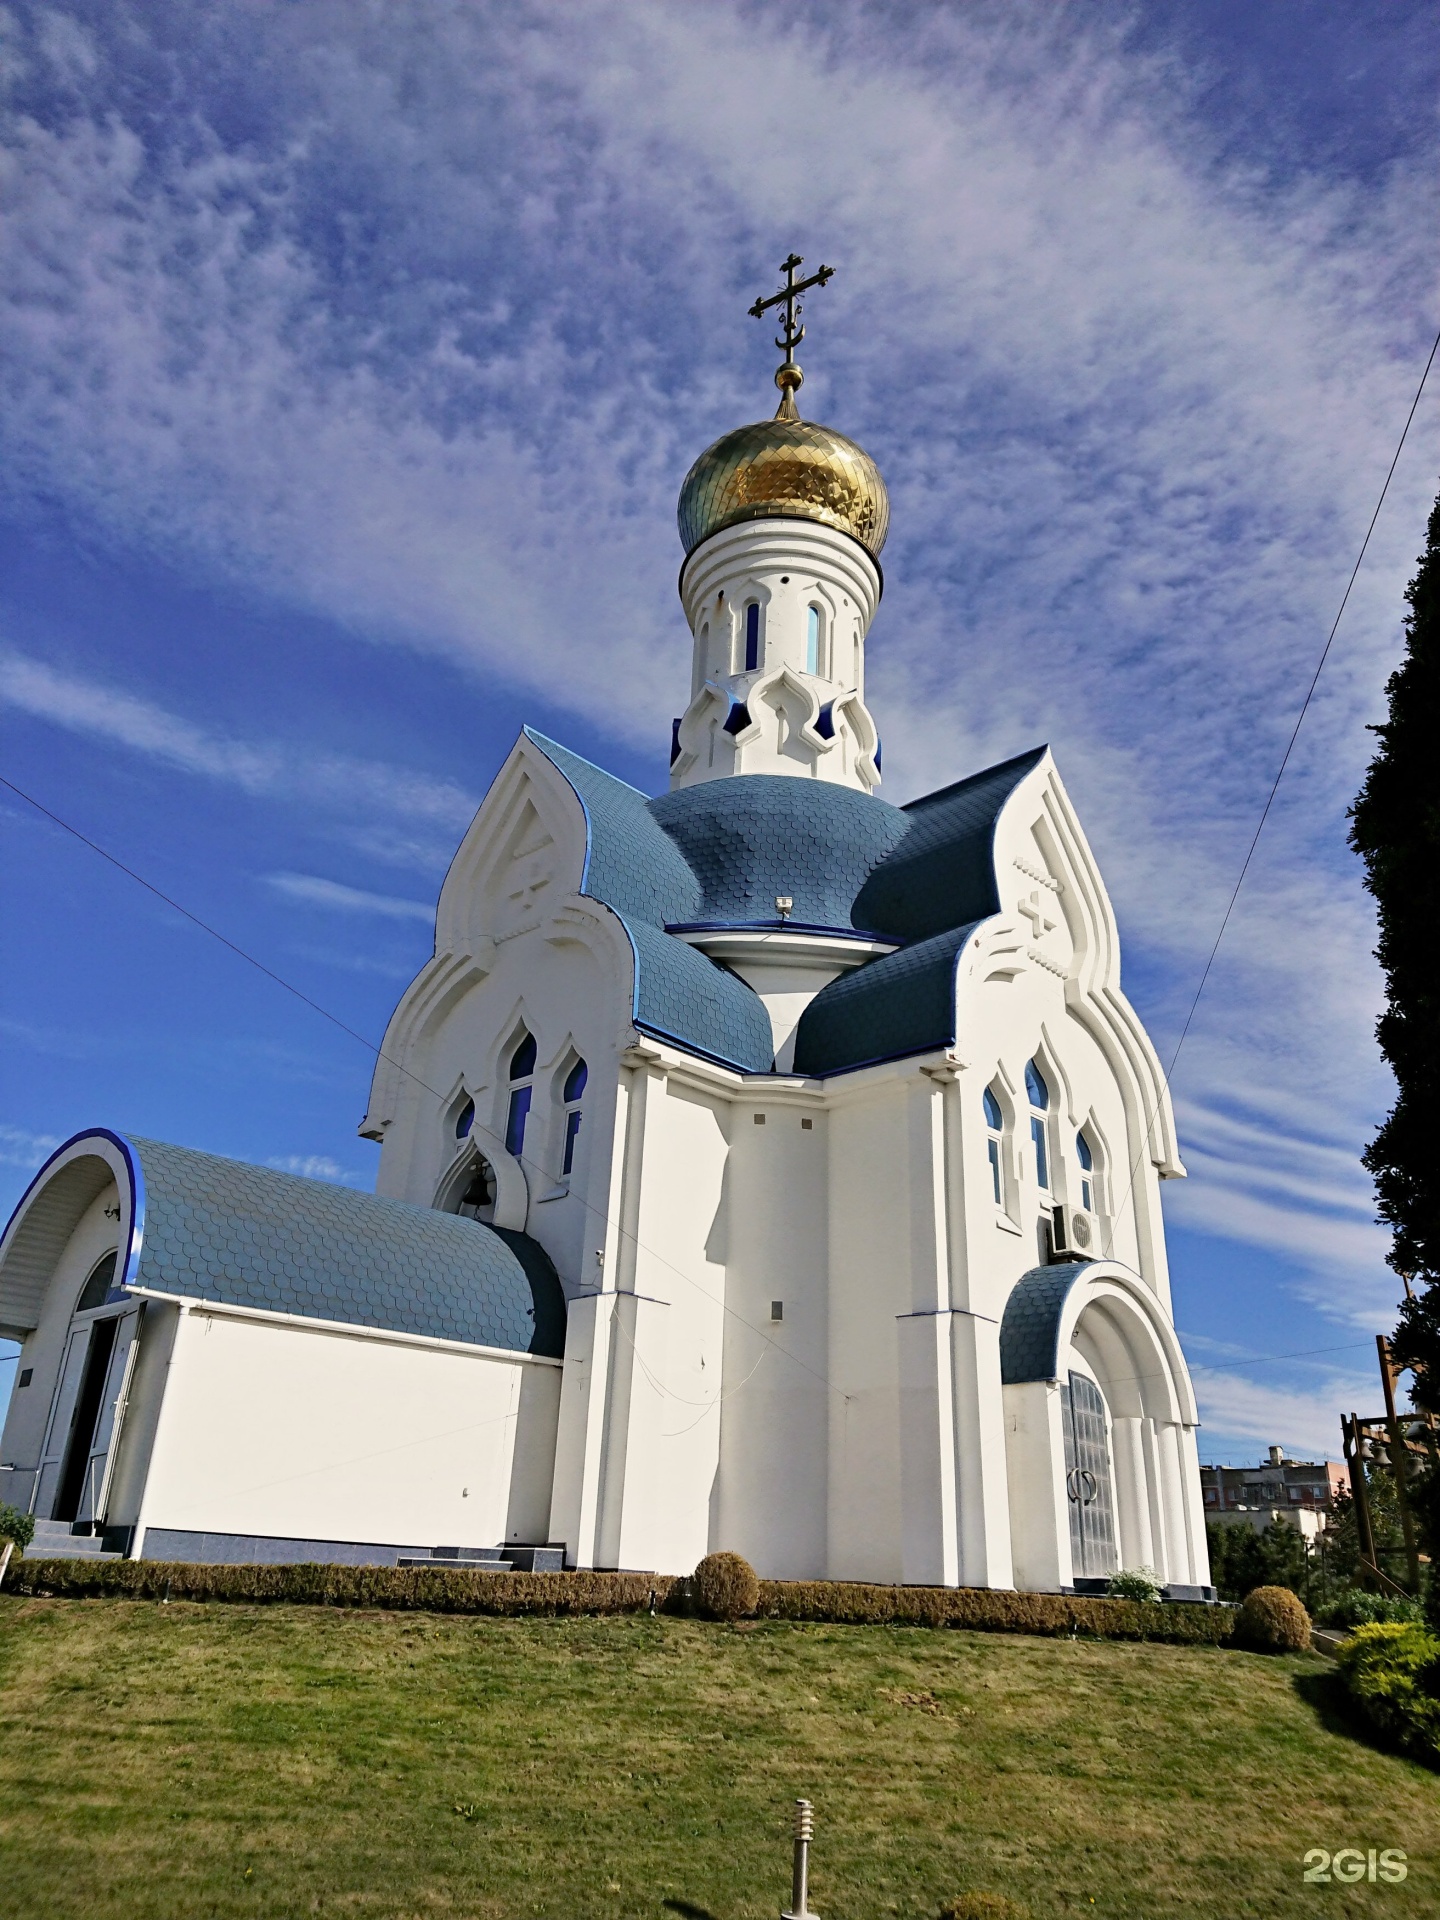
column 187, row 1760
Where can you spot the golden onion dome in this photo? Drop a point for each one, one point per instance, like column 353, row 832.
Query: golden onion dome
column 785, row 467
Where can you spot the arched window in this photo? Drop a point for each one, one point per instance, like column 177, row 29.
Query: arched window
column 465, row 1120
column 573, row 1089
column 995, row 1121
column 522, row 1069
column 1087, row 1167
column 1040, row 1103
column 812, row 641
column 752, row 636
column 97, row 1287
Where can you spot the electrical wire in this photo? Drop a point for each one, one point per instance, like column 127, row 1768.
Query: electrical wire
column 400, row 1066
column 1274, row 788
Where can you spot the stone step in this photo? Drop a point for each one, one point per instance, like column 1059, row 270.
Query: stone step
column 54, row 1541
column 517, row 1559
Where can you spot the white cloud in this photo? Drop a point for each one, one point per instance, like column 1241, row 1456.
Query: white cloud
column 21, row 1148
column 317, row 892
column 314, row 1166
column 1302, row 1420
column 401, row 351
column 260, row 769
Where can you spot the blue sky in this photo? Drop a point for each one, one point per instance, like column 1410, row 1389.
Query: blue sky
column 353, row 356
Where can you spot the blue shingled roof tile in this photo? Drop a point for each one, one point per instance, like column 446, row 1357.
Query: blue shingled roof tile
column 719, row 854
column 246, row 1236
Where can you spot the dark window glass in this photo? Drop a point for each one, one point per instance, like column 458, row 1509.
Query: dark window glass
column 994, row 1146
column 1082, row 1148
column 1042, row 1158
column 572, row 1134
column 98, row 1285
column 515, row 1120
column 1036, row 1087
column 752, row 637
column 465, row 1120
column 522, row 1061
column 575, row 1081
column 993, row 1116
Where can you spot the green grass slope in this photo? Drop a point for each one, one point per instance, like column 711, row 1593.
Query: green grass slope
column 183, row 1761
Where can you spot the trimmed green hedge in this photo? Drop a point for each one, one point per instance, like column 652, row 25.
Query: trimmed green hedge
column 441, row 1590
column 989, row 1611
column 1392, row 1672
column 431, row 1589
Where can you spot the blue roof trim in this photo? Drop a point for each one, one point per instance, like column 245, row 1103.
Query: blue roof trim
column 242, row 1236
column 860, row 935
column 943, row 871
column 631, row 864
column 902, row 1003
column 682, row 995
column 1030, row 1326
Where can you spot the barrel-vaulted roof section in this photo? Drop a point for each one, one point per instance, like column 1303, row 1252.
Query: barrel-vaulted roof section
column 208, row 1229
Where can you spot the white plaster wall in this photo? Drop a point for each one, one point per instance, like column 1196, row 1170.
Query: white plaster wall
column 282, row 1429
column 870, row 1196
column 657, row 1505
column 775, row 1420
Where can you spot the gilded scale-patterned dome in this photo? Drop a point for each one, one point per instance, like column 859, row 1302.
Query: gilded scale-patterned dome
column 785, row 467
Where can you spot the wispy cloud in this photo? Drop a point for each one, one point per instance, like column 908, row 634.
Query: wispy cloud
column 330, row 894
column 264, row 770
column 315, row 1166
column 21, row 1148
column 1302, row 1420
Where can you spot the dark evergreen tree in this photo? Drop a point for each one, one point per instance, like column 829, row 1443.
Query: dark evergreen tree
column 1396, row 830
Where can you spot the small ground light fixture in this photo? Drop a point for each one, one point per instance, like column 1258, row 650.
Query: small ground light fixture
column 799, row 1885
column 784, row 905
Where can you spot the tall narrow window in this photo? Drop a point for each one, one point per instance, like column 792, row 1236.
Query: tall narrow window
column 1040, row 1102
column 995, row 1122
column 522, row 1069
column 1087, row 1168
column 465, row 1120
column 812, row 641
column 752, row 636
column 571, row 1094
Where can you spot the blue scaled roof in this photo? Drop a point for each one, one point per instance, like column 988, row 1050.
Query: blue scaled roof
column 1030, row 1325
column 718, row 854
column 246, row 1236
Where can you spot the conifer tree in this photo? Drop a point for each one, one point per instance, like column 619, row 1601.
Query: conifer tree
column 1396, row 830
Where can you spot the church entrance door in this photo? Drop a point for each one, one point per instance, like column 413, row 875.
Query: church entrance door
column 94, row 1380
column 1087, row 1480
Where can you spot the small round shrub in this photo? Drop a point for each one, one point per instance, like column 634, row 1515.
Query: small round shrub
column 726, row 1587
column 1136, row 1583
column 984, row 1906
column 1272, row 1620
column 16, row 1526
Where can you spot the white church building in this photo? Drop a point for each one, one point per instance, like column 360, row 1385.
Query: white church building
column 763, row 1166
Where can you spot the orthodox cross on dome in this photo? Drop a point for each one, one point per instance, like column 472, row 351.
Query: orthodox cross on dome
column 788, row 376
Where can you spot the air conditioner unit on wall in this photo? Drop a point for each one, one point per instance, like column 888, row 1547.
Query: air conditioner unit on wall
column 1075, row 1234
